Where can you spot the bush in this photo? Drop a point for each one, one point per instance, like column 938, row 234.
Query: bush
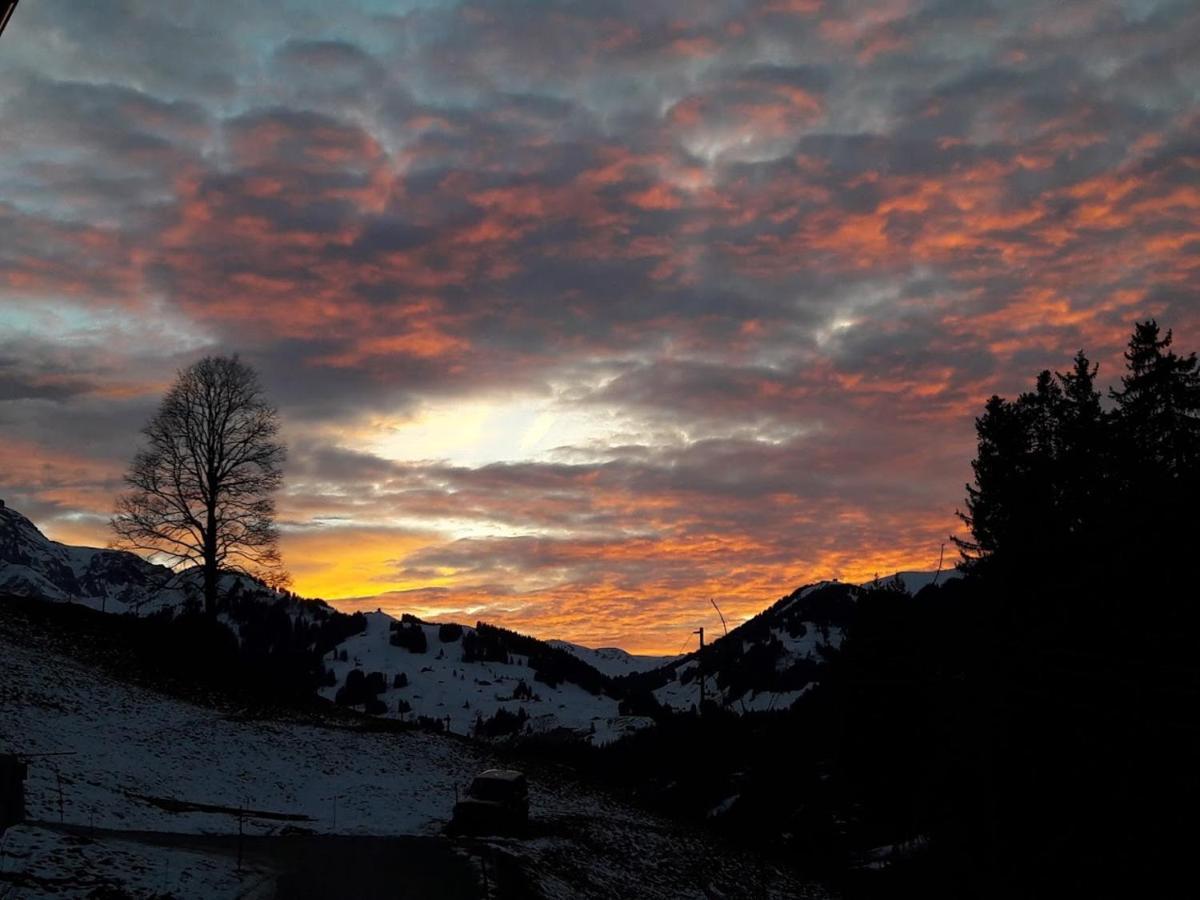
column 376, row 707
column 501, row 724
column 409, row 635
column 360, row 689
column 640, row 703
column 376, row 683
column 400, row 681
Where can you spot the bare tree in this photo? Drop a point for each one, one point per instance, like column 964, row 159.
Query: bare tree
column 201, row 491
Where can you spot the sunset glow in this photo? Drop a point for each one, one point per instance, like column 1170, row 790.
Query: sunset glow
column 579, row 314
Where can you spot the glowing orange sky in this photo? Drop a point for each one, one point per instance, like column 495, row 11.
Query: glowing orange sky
column 581, row 314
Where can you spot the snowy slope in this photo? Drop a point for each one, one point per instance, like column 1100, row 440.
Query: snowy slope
column 131, row 743
column 442, row 685
column 612, row 661
column 132, row 748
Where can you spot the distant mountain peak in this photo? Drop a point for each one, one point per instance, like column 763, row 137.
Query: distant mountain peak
column 33, row 565
column 613, row 661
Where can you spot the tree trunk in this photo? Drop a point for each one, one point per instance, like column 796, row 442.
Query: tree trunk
column 210, row 565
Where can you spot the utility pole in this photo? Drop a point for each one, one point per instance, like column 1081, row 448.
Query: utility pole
column 700, row 663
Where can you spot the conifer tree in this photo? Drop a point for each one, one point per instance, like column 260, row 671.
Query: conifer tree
column 1002, row 461
column 1085, row 457
column 1158, row 405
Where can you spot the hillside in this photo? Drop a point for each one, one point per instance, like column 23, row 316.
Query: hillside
column 149, row 786
column 32, row 565
column 484, row 681
column 771, row 660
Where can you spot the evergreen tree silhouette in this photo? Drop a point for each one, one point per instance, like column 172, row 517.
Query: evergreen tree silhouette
column 1158, row 406
column 1083, row 476
column 1157, row 425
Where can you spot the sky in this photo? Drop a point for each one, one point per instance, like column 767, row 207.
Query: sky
column 578, row 314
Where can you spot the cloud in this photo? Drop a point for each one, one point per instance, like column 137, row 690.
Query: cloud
column 696, row 300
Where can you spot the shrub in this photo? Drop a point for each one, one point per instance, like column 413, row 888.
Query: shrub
column 409, row 635
column 361, row 688
column 501, row 724
column 376, row 683
column 376, row 707
column 640, row 703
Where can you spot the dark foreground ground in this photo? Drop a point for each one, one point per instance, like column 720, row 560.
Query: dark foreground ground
column 318, row 866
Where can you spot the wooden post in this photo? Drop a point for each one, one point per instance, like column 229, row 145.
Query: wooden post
column 700, row 663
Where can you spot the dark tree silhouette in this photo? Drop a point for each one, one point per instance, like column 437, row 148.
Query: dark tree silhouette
column 1001, row 468
column 1042, row 474
column 1085, row 456
column 1158, row 405
column 201, row 491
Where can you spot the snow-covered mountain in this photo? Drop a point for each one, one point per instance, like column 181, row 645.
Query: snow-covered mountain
column 32, row 565
column 612, row 661
column 478, row 680
column 770, row 661
column 766, row 663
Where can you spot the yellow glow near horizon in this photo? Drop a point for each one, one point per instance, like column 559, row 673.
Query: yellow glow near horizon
column 335, row 563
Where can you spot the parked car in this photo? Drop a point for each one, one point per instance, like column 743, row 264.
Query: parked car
column 496, row 802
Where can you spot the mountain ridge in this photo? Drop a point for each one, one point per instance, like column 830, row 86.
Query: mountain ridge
column 480, row 679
